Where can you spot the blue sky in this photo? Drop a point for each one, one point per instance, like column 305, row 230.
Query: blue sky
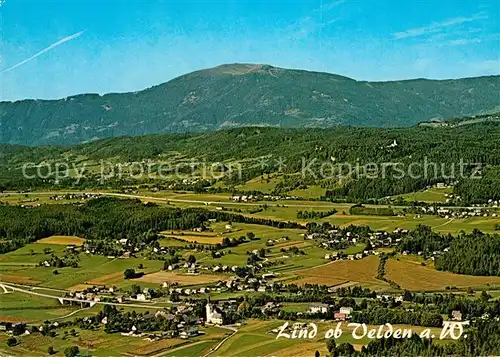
column 52, row 49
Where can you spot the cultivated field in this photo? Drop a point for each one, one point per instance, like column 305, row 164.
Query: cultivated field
column 262, row 184
column 256, row 339
column 320, row 280
column 413, row 276
column 310, row 192
column 100, row 344
column 158, row 346
column 106, row 279
column 238, row 255
column 17, row 307
column 21, row 267
column 363, row 271
column 62, row 240
column 182, row 279
column 430, row 195
column 18, row 279
column 288, row 209
column 190, row 237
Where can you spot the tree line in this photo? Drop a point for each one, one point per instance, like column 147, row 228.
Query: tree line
column 474, row 253
column 105, row 219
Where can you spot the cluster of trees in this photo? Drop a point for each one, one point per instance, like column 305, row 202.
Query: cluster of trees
column 198, row 186
column 474, row 190
column 423, row 240
column 315, row 214
column 106, row 219
column 234, row 242
column 255, row 258
column 379, row 315
column 472, row 254
column 381, row 270
column 446, row 303
column 356, row 292
column 381, row 266
column 102, row 218
column 367, row 189
column 371, row 211
column 131, row 274
column 120, row 321
column 56, row 262
column 293, row 250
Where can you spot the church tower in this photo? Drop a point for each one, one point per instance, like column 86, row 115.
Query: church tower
column 213, row 317
column 208, row 309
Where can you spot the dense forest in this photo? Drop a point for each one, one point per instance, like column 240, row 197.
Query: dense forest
column 354, row 164
column 105, row 219
column 423, row 240
column 472, row 254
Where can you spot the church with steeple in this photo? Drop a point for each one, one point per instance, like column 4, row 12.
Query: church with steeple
column 213, row 316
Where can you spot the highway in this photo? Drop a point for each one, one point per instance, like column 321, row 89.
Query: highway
column 280, row 203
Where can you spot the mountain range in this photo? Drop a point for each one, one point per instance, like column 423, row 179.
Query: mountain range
column 239, row 95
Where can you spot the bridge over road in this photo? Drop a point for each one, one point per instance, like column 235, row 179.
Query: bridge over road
column 62, row 300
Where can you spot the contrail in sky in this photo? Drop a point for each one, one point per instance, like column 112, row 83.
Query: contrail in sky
column 54, row 45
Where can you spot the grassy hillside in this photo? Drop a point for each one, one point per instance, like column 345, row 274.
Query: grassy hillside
column 245, row 95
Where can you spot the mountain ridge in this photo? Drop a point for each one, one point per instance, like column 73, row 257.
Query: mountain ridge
column 238, row 95
column 208, row 70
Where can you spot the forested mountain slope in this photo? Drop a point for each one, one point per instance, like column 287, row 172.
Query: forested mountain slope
column 476, row 141
column 475, row 146
column 245, row 95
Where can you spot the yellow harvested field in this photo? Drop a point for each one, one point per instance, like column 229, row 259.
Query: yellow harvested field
column 363, row 271
column 304, row 349
column 182, row 279
column 13, row 319
column 107, row 279
column 256, row 325
column 413, row 276
column 156, row 347
column 62, row 240
column 293, row 244
column 18, row 279
column 80, row 287
column 317, row 280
